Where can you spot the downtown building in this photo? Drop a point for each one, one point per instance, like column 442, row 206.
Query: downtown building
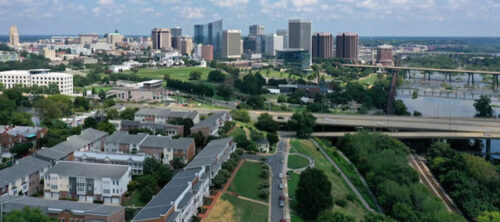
column 347, row 46
column 39, row 77
column 322, row 45
column 256, row 30
column 300, row 38
column 231, row 44
column 210, row 34
column 162, row 38
column 384, row 55
column 13, row 36
column 273, row 43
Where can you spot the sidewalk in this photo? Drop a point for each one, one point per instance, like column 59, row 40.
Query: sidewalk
column 220, row 192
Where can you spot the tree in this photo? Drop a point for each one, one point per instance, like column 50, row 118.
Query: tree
column 272, row 138
column 219, row 181
column 216, row 76
column 28, row 215
column 199, row 139
column 265, row 122
column 195, row 75
column 225, row 91
column 178, row 163
column 112, row 114
column 90, row 122
column 256, row 102
column 53, row 88
column 329, row 216
column 313, row 193
column 47, row 109
column 102, row 94
column 187, row 123
column 106, row 127
column 21, row 149
column 400, row 108
column 483, row 107
column 303, row 123
column 81, row 102
column 489, row 216
column 148, row 185
column 129, row 113
column 240, row 115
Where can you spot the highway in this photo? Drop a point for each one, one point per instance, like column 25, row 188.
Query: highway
column 420, row 135
column 423, row 69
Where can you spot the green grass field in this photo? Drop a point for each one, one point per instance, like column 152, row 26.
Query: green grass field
column 292, row 186
column 297, row 162
column 339, row 188
column 237, row 131
column 134, row 200
column 246, row 181
column 98, row 88
column 247, row 211
column 348, row 170
column 179, row 73
column 369, row 80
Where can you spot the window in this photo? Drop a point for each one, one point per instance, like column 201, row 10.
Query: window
column 106, row 191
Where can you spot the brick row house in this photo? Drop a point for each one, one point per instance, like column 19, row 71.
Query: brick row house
column 10, row 135
column 163, row 116
column 210, row 126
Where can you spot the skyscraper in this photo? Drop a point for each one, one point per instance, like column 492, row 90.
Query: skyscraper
column 186, row 45
column 210, row 33
column 162, row 38
column 347, row 46
column 299, row 34
column 273, row 43
column 256, row 30
column 13, row 36
column 284, row 33
column 253, row 44
column 231, row 44
column 207, row 52
column 322, row 45
column 176, row 31
column 176, row 42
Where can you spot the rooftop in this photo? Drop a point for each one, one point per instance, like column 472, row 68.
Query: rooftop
column 208, row 154
column 23, row 167
column 111, row 156
column 89, row 170
column 210, row 120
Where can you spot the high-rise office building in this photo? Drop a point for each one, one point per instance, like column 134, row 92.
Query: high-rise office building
column 384, row 55
column 162, row 38
column 176, row 31
column 207, row 53
column 256, row 30
column 176, row 42
column 88, row 38
column 322, row 45
column 186, row 45
column 211, row 34
column 114, row 38
column 231, row 44
column 273, row 43
column 300, row 35
column 13, row 36
column 347, row 46
column 284, row 33
column 253, row 44
column 198, row 50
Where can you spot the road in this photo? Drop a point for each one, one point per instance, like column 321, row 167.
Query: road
column 277, row 212
column 420, row 135
column 423, row 69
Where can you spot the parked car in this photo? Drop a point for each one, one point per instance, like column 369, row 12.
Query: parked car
column 282, row 201
column 280, row 176
column 281, row 186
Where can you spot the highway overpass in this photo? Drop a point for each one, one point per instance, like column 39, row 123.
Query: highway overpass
column 420, row 135
column 423, row 69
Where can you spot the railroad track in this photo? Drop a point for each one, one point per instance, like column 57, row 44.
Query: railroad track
column 429, row 181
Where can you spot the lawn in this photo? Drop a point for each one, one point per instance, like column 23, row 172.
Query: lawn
column 179, row 73
column 369, row 80
column 98, row 88
column 246, row 182
column 247, row 210
column 348, row 170
column 340, row 191
column 134, row 200
column 237, row 132
column 297, row 162
column 292, row 186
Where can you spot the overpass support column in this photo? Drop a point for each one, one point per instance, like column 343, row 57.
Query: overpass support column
column 449, row 77
column 468, row 80
column 488, row 149
column 472, row 74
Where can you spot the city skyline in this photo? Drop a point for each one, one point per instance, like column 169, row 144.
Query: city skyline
column 366, row 17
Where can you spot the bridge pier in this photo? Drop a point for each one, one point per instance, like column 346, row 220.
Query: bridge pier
column 488, row 149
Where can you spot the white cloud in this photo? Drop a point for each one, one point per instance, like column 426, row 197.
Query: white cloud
column 191, row 12
column 230, row 3
column 105, row 2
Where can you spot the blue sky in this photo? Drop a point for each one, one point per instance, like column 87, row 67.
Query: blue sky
column 367, row 17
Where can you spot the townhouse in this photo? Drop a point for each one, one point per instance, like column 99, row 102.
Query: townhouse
column 64, row 210
column 213, row 155
column 123, row 142
column 210, row 126
column 23, row 178
column 10, row 135
column 89, row 139
column 168, row 129
column 179, row 200
column 134, row 161
column 87, row 182
column 163, row 116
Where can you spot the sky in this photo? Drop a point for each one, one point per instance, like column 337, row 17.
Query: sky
column 366, row 17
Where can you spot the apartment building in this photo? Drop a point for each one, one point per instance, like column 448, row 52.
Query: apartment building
column 87, row 182
column 161, row 147
column 10, row 135
column 163, row 116
column 23, row 178
column 179, row 199
column 40, row 77
column 168, row 129
column 134, row 161
column 213, row 155
column 64, row 210
column 210, row 126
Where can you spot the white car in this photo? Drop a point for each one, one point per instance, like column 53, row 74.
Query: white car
column 280, row 176
column 281, row 186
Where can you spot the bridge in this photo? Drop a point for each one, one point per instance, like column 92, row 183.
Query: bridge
column 409, row 123
column 420, row 135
